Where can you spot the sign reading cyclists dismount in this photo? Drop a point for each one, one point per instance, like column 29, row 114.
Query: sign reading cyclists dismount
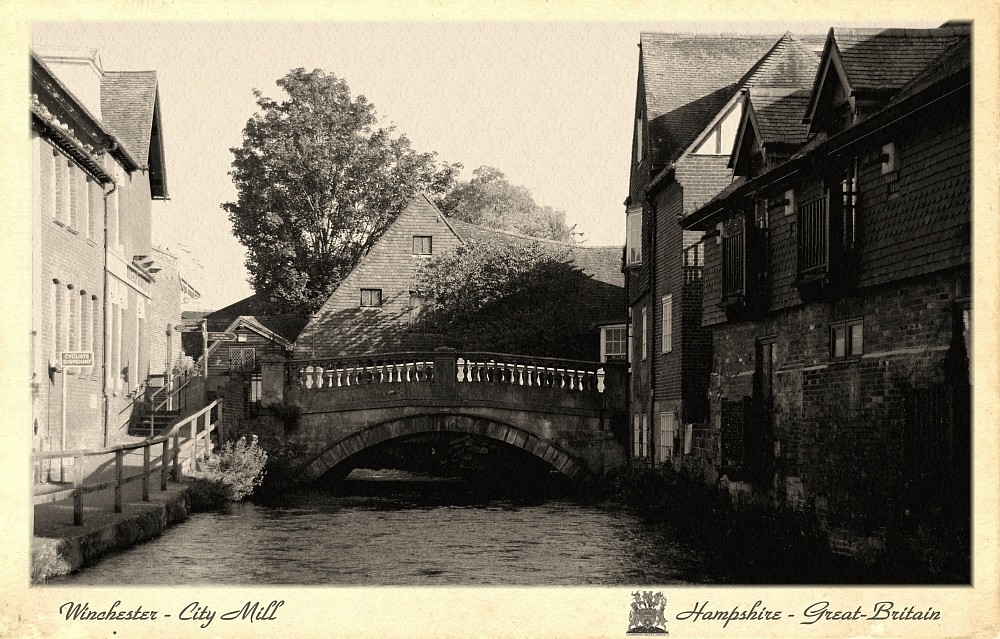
column 76, row 358
column 221, row 337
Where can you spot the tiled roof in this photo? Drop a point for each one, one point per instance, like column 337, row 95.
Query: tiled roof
column 887, row 59
column 955, row 59
column 778, row 113
column 688, row 79
column 287, row 325
column 256, row 304
column 127, row 102
column 791, row 64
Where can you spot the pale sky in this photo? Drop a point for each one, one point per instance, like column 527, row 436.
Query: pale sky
column 549, row 104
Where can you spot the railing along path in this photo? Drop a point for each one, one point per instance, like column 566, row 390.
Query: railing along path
column 169, row 456
column 471, row 367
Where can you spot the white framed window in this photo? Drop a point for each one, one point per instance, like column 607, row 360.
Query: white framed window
column 644, row 437
column 668, row 434
column 52, row 161
column 633, row 237
column 636, row 435
column 115, row 209
column 614, row 342
column 638, row 139
column 55, row 303
column 63, row 185
column 667, row 337
column 643, row 341
column 88, row 220
column 72, row 305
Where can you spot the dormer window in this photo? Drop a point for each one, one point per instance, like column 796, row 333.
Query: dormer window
column 633, row 237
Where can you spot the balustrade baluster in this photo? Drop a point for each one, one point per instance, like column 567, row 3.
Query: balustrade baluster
column 307, row 371
column 600, row 379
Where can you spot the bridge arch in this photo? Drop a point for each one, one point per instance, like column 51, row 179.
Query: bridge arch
column 338, row 452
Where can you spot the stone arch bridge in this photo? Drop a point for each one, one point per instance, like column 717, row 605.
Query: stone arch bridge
column 562, row 411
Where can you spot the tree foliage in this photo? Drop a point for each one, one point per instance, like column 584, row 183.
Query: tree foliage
column 318, row 181
column 504, row 297
column 489, row 199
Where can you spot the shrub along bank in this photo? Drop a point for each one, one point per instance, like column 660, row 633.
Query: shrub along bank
column 758, row 543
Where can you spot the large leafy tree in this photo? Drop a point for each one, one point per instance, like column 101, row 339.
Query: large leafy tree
column 318, row 181
column 489, row 199
column 505, row 297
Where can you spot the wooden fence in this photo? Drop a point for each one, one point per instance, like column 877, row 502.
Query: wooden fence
column 199, row 427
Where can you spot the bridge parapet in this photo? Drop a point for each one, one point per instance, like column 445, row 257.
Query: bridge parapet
column 446, row 367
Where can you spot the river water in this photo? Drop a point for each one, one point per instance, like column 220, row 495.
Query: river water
column 383, row 529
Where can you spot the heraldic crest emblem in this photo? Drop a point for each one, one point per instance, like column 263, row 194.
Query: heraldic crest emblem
column 647, row 614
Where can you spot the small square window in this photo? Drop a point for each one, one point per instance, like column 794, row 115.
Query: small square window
column 847, row 339
column 371, row 297
column 421, row 244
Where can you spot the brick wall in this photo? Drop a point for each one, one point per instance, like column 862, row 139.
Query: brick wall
column 165, row 310
column 69, row 267
column 839, row 424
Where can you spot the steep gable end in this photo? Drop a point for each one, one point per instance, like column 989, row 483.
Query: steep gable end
column 862, row 69
column 680, row 104
column 130, row 107
column 342, row 325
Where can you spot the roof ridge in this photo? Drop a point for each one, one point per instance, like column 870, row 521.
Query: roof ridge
column 905, row 32
column 511, row 233
column 707, row 36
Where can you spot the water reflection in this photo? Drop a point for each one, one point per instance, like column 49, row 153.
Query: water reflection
column 385, row 527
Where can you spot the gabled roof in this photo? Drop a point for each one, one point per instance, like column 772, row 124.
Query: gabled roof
column 43, row 78
column 779, row 114
column 880, row 61
column 945, row 75
column 130, row 108
column 771, row 117
column 954, row 60
column 687, row 80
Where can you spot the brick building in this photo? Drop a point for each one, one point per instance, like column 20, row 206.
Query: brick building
column 171, row 291
column 97, row 162
column 837, row 287
column 260, row 333
column 689, row 102
column 372, row 309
